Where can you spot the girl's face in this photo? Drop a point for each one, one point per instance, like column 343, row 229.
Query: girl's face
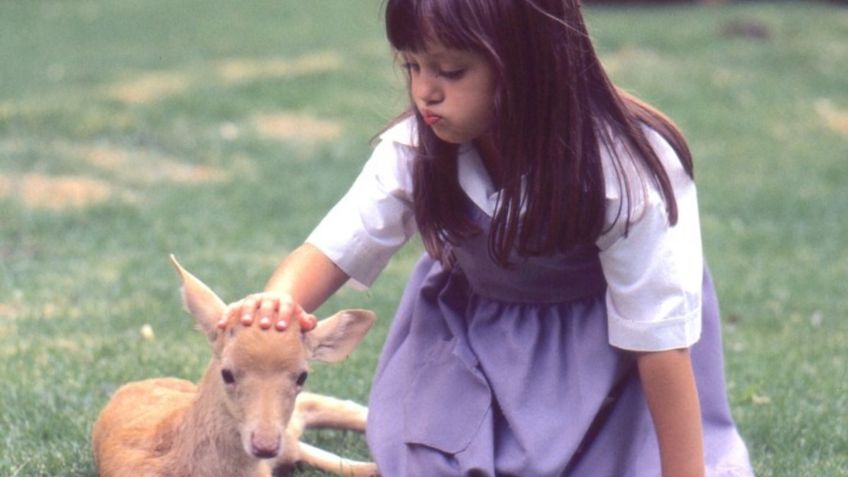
column 453, row 90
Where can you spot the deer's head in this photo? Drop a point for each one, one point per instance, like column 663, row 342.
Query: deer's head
column 262, row 371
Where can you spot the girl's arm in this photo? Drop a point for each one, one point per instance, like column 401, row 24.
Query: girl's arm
column 308, row 276
column 669, row 385
column 301, row 283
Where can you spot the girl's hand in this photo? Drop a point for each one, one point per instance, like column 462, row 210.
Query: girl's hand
column 268, row 309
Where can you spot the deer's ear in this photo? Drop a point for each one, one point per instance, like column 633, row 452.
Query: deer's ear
column 200, row 301
column 335, row 337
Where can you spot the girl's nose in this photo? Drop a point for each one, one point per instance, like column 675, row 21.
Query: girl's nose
column 427, row 90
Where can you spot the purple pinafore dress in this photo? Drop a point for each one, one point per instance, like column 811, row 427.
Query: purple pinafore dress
column 491, row 371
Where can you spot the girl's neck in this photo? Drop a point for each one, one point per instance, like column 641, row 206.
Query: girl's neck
column 491, row 159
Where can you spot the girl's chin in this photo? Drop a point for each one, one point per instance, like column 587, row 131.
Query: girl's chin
column 448, row 136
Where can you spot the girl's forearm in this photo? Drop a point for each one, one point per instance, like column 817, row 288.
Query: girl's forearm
column 669, row 385
column 308, row 275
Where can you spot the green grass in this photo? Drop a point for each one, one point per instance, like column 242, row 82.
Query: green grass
column 766, row 120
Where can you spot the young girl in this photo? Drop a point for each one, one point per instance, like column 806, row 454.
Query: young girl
column 562, row 321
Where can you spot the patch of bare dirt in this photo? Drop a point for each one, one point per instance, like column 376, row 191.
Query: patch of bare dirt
column 155, row 85
column 240, row 69
column 296, row 127
column 124, row 166
column 140, row 166
column 628, row 57
column 835, row 119
column 9, row 311
column 7, row 109
column 54, row 192
column 150, row 87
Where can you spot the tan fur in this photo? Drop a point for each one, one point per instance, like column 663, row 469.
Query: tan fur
column 170, row 427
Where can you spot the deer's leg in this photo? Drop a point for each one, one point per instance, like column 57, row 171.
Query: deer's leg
column 329, row 462
column 323, row 411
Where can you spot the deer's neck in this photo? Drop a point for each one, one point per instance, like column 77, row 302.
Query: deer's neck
column 207, row 441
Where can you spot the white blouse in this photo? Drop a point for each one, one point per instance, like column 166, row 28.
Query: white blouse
column 654, row 273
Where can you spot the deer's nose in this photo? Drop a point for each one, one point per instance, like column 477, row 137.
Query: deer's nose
column 265, row 446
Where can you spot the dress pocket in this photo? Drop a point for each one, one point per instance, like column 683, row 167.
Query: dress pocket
column 446, row 402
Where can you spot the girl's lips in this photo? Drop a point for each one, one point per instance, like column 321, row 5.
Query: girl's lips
column 430, row 118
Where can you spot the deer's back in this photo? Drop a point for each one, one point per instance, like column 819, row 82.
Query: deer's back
column 136, row 428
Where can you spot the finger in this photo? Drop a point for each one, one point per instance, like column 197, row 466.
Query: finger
column 265, row 323
column 285, row 298
column 267, row 309
column 286, row 311
column 248, row 310
column 308, row 322
column 229, row 311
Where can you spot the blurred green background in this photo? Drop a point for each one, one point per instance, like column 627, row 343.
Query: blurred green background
column 223, row 131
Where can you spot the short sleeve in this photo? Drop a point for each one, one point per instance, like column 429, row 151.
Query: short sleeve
column 374, row 218
column 654, row 270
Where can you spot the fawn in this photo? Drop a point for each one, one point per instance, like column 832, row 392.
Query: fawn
column 246, row 415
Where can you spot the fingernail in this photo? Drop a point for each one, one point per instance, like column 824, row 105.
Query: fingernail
column 281, row 325
column 265, row 322
column 246, row 319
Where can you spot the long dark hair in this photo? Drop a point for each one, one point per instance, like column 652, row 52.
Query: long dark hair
column 555, row 108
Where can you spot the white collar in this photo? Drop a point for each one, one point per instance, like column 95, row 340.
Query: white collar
column 404, row 132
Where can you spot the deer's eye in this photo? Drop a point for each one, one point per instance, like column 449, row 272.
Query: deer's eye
column 302, row 378
column 228, row 377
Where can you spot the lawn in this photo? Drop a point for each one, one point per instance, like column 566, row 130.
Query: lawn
column 222, row 131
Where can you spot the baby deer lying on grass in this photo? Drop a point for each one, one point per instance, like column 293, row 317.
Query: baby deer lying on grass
column 247, row 413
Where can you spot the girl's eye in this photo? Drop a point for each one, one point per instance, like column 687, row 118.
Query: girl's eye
column 228, row 377
column 411, row 67
column 453, row 74
column 302, row 378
